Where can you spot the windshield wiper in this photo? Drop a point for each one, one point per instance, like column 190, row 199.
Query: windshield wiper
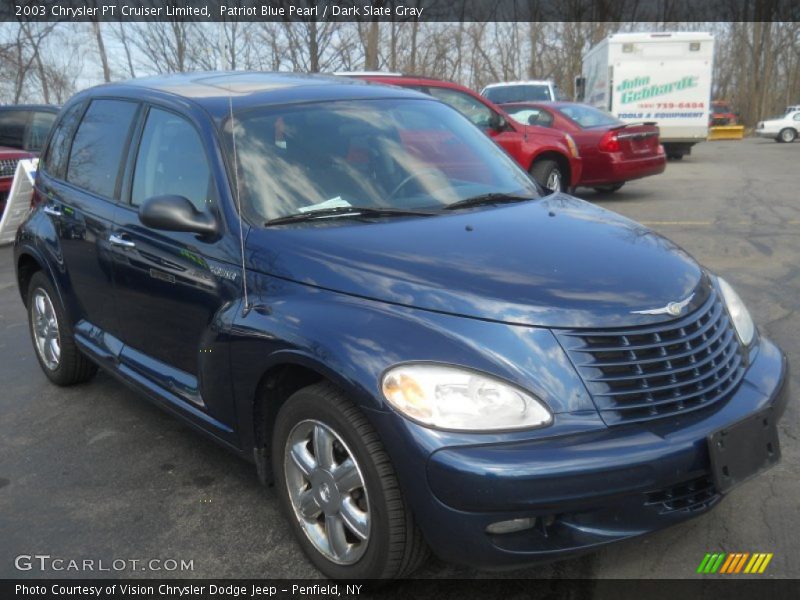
column 483, row 199
column 348, row 211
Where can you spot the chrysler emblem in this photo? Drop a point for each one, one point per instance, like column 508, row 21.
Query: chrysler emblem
column 673, row 308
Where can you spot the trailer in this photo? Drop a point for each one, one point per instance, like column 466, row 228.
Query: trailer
column 663, row 78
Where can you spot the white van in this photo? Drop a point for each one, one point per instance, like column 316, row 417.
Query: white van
column 663, row 78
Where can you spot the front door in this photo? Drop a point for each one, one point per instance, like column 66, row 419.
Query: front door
column 168, row 289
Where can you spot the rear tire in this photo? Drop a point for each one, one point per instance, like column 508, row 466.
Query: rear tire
column 53, row 341
column 547, row 173
column 355, row 526
column 787, row 135
column 608, row 189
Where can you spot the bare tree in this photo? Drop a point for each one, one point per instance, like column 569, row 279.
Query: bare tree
column 101, row 50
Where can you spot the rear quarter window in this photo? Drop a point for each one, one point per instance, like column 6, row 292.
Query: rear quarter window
column 54, row 160
column 99, row 145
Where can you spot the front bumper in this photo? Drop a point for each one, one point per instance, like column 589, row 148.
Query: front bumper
column 586, row 490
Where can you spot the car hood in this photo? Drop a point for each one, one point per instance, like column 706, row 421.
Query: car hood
column 554, row 262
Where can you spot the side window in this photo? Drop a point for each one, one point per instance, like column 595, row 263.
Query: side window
column 12, row 128
column 797, row 116
column 532, row 116
column 171, row 160
column 41, row 122
column 475, row 110
column 99, row 145
column 54, row 161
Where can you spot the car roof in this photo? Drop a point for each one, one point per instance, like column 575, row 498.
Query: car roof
column 34, row 107
column 402, row 80
column 543, row 103
column 401, row 77
column 521, row 82
column 216, row 91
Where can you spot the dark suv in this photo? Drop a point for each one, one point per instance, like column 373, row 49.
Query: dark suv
column 354, row 288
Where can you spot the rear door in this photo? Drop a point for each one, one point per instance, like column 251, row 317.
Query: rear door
column 78, row 184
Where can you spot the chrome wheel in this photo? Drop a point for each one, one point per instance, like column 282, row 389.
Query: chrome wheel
column 554, row 181
column 327, row 492
column 45, row 330
column 788, row 135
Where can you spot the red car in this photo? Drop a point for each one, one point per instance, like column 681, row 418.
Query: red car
column 550, row 156
column 613, row 152
column 9, row 157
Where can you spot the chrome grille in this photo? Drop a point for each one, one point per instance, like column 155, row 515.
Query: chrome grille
column 8, row 166
column 644, row 373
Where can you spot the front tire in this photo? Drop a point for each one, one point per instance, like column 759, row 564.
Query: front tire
column 337, row 486
column 59, row 357
column 787, row 135
column 547, row 173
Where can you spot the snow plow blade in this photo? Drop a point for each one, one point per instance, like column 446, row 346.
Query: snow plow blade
column 726, row 132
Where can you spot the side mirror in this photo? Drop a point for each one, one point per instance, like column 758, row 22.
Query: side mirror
column 176, row 213
column 532, row 119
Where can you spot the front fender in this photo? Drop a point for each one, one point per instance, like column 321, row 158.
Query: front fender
column 352, row 341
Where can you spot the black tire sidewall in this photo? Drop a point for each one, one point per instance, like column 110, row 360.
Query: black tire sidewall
column 40, row 282
column 794, row 135
column 543, row 169
column 308, row 404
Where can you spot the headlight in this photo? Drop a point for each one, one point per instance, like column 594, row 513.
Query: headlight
column 573, row 147
column 453, row 398
column 738, row 311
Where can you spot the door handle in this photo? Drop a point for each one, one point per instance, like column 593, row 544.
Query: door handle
column 117, row 240
column 53, row 211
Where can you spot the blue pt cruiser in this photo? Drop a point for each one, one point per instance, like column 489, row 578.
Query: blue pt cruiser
column 354, row 288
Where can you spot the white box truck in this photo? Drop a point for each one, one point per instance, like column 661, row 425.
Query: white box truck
column 664, row 78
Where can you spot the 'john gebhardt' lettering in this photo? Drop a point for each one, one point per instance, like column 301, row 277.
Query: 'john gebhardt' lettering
column 630, row 93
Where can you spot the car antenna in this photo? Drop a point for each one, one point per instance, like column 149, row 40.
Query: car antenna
column 246, row 306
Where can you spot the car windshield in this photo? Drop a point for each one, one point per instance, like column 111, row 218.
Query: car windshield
column 524, row 92
column 395, row 154
column 588, row 116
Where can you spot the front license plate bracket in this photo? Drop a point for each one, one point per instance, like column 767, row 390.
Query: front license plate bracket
column 744, row 449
